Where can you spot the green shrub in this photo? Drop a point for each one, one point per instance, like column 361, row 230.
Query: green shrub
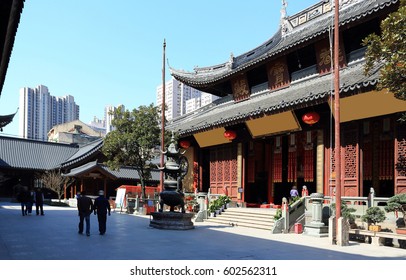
column 346, row 212
column 374, row 215
column 397, row 203
column 278, row 214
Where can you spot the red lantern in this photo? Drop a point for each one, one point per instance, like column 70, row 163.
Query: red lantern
column 230, row 134
column 311, row 118
column 184, row 144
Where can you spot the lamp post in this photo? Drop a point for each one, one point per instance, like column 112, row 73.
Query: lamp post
column 337, row 114
column 163, row 118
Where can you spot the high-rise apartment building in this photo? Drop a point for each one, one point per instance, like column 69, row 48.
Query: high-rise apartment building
column 109, row 116
column 98, row 125
column 177, row 96
column 40, row 111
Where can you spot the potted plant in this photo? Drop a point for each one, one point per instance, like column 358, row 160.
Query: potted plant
column 396, row 204
column 373, row 216
column 212, row 208
column 217, row 205
column 226, row 200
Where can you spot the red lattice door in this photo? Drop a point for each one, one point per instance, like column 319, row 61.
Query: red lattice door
column 350, row 163
column 223, row 170
column 400, row 157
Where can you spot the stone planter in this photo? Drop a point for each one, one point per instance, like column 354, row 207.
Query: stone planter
column 374, row 228
column 401, row 230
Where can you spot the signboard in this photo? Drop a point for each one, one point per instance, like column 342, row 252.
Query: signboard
column 120, row 197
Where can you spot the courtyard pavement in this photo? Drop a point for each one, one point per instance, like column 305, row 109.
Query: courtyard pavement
column 54, row 236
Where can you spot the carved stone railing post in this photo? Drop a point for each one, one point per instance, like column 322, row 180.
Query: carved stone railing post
column 285, row 215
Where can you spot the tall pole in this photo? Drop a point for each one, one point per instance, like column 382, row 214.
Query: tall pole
column 337, row 112
column 163, row 118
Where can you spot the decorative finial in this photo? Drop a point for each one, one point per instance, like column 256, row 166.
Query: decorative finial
column 283, row 10
column 283, row 17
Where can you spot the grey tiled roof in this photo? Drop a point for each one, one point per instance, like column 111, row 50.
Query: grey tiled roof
column 203, row 77
column 88, row 167
column 131, row 173
column 122, row 173
column 84, row 152
column 314, row 90
column 6, row 119
column 31, row 154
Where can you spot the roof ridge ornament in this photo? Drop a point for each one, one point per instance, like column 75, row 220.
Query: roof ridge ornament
column 283, row 21
column 230, row 61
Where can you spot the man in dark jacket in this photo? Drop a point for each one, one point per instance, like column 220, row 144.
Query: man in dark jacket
column 101, row 207
column 23, row 197
column 39, row 201
column 85, row 208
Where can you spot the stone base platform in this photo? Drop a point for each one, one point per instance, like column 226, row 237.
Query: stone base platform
column 172, row 220
column 316, row 230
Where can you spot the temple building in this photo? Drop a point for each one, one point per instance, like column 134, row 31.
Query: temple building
column 273, row 126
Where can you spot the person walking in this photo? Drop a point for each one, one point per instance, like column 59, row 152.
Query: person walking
column 23, row 197
column 85, row 208
column 31, row 200
column 293, row 193
column 39, row 201
column 101, row 208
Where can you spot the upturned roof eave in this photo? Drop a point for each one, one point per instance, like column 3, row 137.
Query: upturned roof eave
column 11, row 31
column 81, row 156
column 196, row 124
column 192, row 79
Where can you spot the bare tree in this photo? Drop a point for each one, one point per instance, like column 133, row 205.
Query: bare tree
column 54, row 181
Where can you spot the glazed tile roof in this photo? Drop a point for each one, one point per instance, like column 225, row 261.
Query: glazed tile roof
column 314, row 90
column 202, row 78
column 123, row 173
column 18, row 153
column 84, row 152
column 5, row 120
column 87, row 168
column 131, row 173
column 30, row 154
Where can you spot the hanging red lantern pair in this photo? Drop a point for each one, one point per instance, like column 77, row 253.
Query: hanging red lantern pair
column 311, row 118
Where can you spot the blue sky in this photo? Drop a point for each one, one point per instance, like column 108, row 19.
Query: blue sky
column 106, row 52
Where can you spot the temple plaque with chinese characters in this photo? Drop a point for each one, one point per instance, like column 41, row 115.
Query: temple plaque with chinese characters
column 241, row 89
column 324, row 57
column 278, row 75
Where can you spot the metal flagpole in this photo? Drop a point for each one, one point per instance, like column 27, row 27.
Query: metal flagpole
column 163, row 118
column 337, row 113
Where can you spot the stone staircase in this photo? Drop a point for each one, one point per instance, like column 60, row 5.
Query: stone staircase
column 258, row 218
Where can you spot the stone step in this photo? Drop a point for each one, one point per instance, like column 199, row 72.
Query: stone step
column 250, row 213
column 241, row 217
column 246, row 217
column 241, row 224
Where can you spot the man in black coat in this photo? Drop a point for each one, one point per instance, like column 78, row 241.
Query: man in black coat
column 23, row 197
column 39, row 201
column 85, row 208
column 101, row 208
